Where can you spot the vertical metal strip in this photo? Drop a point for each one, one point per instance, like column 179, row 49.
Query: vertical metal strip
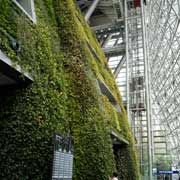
column 127, row 60
column 149, row 137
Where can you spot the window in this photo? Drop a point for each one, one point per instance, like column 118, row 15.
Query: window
column 27, row 6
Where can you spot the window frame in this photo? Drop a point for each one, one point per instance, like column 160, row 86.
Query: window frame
column 31, row 17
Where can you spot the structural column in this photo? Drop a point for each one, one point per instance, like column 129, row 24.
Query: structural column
column 91, row 9
column 127, row 60
column 148, row 116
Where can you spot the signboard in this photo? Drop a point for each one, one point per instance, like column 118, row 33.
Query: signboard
column 63, row 158
column 167, row 172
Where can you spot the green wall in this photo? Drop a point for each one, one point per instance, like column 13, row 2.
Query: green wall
column 64, row 97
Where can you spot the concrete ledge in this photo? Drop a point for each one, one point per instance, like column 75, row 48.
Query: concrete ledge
column 107, row 92
column 118, row 139
column 93, row 51
column 11, row 74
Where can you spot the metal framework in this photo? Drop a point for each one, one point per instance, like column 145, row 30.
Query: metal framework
column 141, row 40
column 164, row 56
column 126, row 41
column 137, row 83
column 122, row 39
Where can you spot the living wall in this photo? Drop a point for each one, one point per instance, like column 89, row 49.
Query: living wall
column 64, row 97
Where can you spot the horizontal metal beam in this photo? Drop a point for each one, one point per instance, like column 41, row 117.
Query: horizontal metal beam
column 114, row 51
column 109, row 26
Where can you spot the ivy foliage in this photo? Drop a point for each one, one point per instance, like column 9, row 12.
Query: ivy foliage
column 64, row 97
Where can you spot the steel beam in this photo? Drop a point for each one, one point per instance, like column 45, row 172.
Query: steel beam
column 127, row 60
column 147, row 93
column 105, row 41
column 119, row 66
column 109, row 28
column 114, row 51
column 91, row 9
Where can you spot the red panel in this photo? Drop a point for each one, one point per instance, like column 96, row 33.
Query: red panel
column 136, row 3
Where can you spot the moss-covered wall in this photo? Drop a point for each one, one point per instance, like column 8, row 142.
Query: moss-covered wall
column 64, row 97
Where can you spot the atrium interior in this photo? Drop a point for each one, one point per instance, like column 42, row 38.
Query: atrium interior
column 88, row 88
column 140, row 39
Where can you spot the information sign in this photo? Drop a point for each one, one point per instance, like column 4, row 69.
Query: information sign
column 167, row 172
column 63, row 158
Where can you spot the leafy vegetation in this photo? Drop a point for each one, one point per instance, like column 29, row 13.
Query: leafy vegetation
column 64, row 97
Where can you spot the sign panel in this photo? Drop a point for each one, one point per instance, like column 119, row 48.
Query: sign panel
column 167, row 172
column 63, row 158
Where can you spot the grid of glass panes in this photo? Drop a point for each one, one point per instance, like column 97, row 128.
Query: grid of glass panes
column 164, row 56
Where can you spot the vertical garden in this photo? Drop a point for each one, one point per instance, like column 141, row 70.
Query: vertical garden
column 65, row 97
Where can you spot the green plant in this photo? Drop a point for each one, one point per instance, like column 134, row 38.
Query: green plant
column 64, row 97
